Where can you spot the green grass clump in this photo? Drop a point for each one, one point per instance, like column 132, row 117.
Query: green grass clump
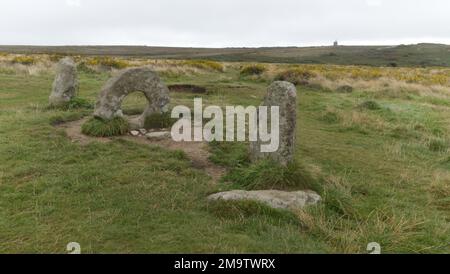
column 24, row 60
column 297, row 76
column 79, row 103
column 65, row 118
column 264, row 174
column 159, row 120
column 370, row 105
column 102, row 128
column 438, row 145
column 74, row 104
column 330, row 117
column 205, row 64
column 267, row 174
column 255, row 69
column 229, row 154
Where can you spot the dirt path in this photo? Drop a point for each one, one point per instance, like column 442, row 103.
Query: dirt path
column 196, row 151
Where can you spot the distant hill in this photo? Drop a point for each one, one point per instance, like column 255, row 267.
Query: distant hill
column 402, row 55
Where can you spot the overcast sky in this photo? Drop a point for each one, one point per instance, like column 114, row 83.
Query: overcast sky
column 223, row 23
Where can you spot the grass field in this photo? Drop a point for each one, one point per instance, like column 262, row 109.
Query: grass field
column 402, row 55
column 374, row 142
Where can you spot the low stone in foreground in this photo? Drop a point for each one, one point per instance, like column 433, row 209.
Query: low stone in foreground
column 273, row 198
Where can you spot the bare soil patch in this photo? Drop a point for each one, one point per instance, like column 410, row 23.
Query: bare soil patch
column 197, row 152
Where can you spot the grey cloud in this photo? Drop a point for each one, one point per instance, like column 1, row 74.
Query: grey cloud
column 223, row 22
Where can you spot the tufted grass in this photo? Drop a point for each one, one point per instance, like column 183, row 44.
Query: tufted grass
column 205, row 64
column 105, row 128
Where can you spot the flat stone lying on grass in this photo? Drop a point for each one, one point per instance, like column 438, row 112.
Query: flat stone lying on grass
column 134, row 133
column 65, row 86
column 158, row 135
column 126, row 82
column 272, row 198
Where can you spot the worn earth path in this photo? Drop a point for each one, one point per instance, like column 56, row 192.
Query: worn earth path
column 196, row 151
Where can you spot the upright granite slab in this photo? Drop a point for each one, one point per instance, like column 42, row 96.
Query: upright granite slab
column 65, row 86
column 283, row 95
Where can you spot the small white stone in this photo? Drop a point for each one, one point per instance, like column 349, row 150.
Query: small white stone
column 134, row 132
column 143, row 131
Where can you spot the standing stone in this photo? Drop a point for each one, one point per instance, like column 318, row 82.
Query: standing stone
column 284, row 95
column 143, row 80
column 65, row 86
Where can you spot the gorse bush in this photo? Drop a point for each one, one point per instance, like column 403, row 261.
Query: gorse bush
column 255, row 69
column 105, row 128
column 55, row 57
column 296, row 76
column 24, row 60
column 107, row 62
column 84, row 67
column 205, row 64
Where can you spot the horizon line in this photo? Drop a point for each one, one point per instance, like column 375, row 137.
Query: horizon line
column 224, row 47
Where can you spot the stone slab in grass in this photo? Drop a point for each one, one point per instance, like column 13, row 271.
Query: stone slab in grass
column 273, row 198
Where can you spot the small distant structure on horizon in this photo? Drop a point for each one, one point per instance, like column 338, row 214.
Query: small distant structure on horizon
column 335, row 44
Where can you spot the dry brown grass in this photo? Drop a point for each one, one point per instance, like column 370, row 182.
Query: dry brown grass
column 380, row 82
column 439, row 189
column 41, row 64
column 46, row 64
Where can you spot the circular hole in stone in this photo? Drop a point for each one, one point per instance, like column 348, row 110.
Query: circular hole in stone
column 134, row 104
